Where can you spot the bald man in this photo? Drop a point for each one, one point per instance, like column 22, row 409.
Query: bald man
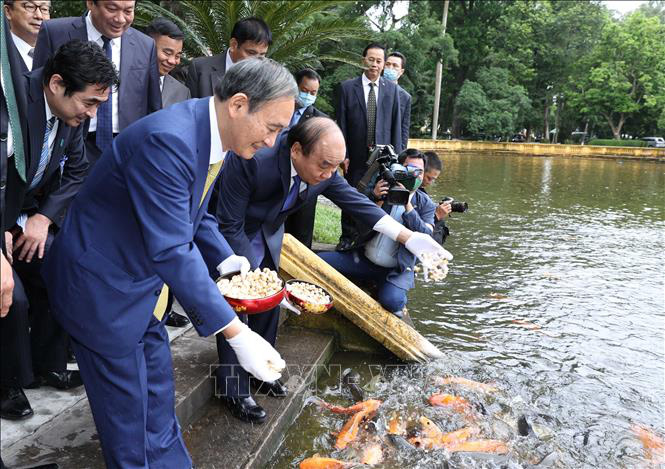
column 256, row 197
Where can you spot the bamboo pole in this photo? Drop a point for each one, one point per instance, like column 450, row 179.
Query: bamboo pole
column 401, row 339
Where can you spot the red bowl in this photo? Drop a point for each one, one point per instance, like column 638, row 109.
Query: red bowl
column 254, row 305
column 306, row 305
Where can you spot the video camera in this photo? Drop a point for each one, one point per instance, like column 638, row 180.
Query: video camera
column 383, row 162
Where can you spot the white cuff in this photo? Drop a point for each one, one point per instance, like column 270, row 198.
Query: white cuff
column 388, row 226
column 223, row 327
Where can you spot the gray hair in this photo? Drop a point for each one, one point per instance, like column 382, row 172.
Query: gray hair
column 261, row 79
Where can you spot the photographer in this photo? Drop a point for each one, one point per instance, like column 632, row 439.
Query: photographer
column 433, row 168
column 377, row 258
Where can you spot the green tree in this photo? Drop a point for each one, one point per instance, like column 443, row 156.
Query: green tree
column 625, row 72
column 298, row 27
column 494, row 105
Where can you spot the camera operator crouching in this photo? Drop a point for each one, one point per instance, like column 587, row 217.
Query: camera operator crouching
column 433, row 168
column 392, row 182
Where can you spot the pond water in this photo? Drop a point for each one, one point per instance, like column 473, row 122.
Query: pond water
column 555, row 296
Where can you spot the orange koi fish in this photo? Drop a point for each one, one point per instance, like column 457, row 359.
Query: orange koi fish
column 351, row 428
column 371, row 404
column 373, row 454
column 318, row 462
column 396, row 425
column 464, row 382
column 654, row 446
column 444, row 440
column 457, row 403
column 478, row 446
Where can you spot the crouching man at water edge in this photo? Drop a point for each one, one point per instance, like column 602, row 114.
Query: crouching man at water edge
column 140, row 227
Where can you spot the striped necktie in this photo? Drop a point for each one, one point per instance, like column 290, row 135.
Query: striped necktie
column 10, row 99
column 45, row 155
column 104, row 132
column 371, row 115
column 162, row 301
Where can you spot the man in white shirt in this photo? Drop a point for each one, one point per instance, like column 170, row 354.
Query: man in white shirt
column 25, row 18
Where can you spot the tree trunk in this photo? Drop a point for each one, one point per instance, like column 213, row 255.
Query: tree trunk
column 616, row 129
column 557, row 118
column 546, row 132
column 586, row 134
column 456, row 130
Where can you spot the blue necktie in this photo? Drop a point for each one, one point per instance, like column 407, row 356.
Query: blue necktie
column 295, row 118
column 44, row 157
column 104, row 132
column 293, row 194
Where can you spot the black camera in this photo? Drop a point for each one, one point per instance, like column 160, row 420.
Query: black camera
column 459, row 207
column 383, row 161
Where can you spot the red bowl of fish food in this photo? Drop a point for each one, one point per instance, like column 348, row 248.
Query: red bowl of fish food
column 255, row 292
column 308, row 296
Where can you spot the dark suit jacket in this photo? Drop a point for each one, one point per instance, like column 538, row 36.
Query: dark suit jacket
column 352, row 119
column 253, row 194
column 405, row 110
column 311, row 111
column 9, row 209
column 173, row 91
column 204, row 73
column 103, row 284
column 139, row 92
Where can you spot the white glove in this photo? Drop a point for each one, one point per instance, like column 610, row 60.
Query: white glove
column 233, row 264
column 286, row 304
column 256, row 355
column 421, row 243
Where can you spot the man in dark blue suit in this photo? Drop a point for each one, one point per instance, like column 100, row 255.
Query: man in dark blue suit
column 257, row 196
column 393, row 70
column 368, row 112
column 140, row 228
column 60, row 97
column 108, row 24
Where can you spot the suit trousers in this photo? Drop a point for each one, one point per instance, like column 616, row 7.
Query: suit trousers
column 356, row 267
column 92, row 151
column 15, row 357
column 132, row 399
column 231, row 379
column 48, row 339
column 301, row 223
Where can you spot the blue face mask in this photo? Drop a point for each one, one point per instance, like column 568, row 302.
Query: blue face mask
column 306, row 99
column 390, row 74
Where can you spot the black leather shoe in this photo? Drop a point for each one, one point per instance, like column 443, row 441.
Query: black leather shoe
column 344, row 245
column 274, row 388
column 176, row 320
column 57, row 379
column 14, row 405
column 245, row 408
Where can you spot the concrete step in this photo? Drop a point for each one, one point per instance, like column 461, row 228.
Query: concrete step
column 62, row 429
column 218, row 440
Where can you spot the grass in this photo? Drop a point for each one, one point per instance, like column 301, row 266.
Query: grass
column 327, row 224
column 618, row 143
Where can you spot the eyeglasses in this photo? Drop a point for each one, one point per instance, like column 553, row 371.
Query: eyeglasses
column 32, row 8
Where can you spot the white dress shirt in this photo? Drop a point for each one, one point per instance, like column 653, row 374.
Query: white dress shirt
column 24, row 49
column 229, row 63
column 161, row 83
column 217, row 152
column 95, row 36
column 366, row 82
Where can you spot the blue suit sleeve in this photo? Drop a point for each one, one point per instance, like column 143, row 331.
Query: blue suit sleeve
column 234, row 196
column 406, row 120
column 154, row 92
column 211, row 243
column 396, row 123
column 349, row 199
column 421, row 216
column 159, row 180
column 43, row 47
